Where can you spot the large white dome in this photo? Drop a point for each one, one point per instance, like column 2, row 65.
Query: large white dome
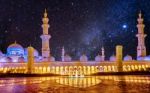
column 15, row 49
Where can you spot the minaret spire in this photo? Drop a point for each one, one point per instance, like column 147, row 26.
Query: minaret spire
column 103, row 54
column 141, row 49
column 63, row 54
column 45, row 36
column 140, row 14
column 45, row 13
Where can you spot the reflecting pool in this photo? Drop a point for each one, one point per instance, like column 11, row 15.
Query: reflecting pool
column 91, row 84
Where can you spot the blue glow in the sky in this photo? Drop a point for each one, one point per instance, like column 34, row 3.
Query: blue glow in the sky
column 124, row 26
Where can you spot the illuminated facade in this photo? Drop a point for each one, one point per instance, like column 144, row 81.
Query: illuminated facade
column 17, row 59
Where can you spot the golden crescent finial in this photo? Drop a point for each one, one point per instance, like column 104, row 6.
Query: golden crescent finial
column 45, row 13
column 140, row 14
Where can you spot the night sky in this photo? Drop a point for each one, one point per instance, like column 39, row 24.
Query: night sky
column 81, row 26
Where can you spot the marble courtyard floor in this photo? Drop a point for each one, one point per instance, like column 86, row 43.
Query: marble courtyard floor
column 93, row 84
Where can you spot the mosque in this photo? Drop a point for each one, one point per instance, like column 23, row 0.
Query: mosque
column 16, row 58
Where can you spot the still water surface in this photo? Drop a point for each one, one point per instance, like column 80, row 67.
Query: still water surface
column 93, row 84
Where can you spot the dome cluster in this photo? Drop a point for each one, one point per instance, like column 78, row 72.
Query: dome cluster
column 16, row 53
column 126, row 58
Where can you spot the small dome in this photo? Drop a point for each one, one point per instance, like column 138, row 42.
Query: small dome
column 14, row 58
column 140, row 58
column 51, row 59
column 112, row 58
column 83, row 58
column 3, row 59
column 147, row 58
column 67, row 58
column 127, row 58
column 98, row 58
column 36, row 59
column 9, row 59
column 36, row 53
column 21, row 59
column 6, row 59
column 15, row 49
column 1, row 53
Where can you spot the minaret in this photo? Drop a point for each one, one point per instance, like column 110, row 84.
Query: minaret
column 45, row 36
column 141, row 49
column 63, row 54
column 103, row 54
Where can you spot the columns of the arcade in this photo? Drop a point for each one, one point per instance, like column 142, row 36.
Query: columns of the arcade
column 30, row 60
column 119, row 58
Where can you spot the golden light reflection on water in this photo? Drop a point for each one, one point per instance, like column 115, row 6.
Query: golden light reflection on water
column 63, row 84
column 79, row 82
column 76, row 82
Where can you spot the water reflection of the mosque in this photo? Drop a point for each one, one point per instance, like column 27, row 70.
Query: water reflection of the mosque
column 82, row 82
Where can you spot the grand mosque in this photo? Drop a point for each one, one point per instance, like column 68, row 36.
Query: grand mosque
column 16, row 59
